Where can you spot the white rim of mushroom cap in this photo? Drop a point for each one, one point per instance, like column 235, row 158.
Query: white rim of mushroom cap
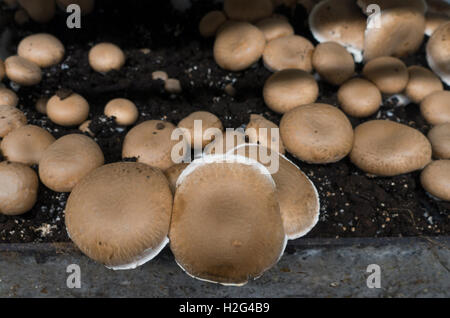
column 438, row 52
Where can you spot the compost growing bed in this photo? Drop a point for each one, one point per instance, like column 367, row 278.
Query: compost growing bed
column 155, row 37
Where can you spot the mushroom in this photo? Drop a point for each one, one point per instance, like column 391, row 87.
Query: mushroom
column 26, row 144
column 317, row 133
column 333, row 62
column 84, row 128
column 86, row 6
column 41, row 11
column 10, row 118
column 248, row 10
column 422, row 82
column 225, row 142
column 18, row 188
column 264, row 132
column 438, row 52
column 435, row 179
column 359, row 98
column 8, row 97
column 151, row 143
column 123, row 110
column 66, row 108
column 2, row 70
column 68, row 160
column 434, row 21
column 105, row 57
column 386, row 148
column 211, row 22
column 275, row 27
column 195, row 128
column 173, row 173
column 41, row 105
column 287, row 89
column 388, row 73
column 289, row 52
column 435, row 108
column 339, row 21
column 160, row 75
column 439, row 137
column 43, row 49
column 22, row 71
column 238, row 45
column 233, row 231
column 119, row 214
column 173, row 86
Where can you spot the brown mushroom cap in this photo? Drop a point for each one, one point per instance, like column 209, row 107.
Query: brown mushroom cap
column 41, row 105
column 8, row 97
column 262, row 131
column 105, row 57
column 287, row 89
column 2, row 69
column 10, row 119
column 387, row 148
column 275, row 27
column 151, row 143
column 18, row 188
column 289, row 52
column 22, row 71
column 435, row 179
column 228, row 140
column 41, row 11
column 211, row 22
column 434, row 21
column 422, row 82
column 317, row 133
column 86, row 6
column 173, row 173
column 388, row 73
column 42, row 48
column 68, row 160
column 249, row 10
column 359, row 98
column 435, row 108
column 26, row 144
column 67, row 110
column 333, row 62
column 173, row 86
column 438, row 52
column 238, row 45
column 160, row 75
column 123, row 110
column 119, row 214
column 439, row 137
column 233, row 231
column 84, row 127
column 205, row 121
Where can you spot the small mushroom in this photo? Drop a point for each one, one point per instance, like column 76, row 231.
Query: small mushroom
column 68, row 160
column 211, row 22
column 233, row 231
column 41, row 105
column 422, row 82
column 238, row 45
column 173, row 86
column 119, row 214
column 195, row 127
column 261, row 131
column 317, row 133
column 66, row 108
column 160, row 75
column 123, row 110
column 105, row 57
column 43, row 49
column 84, row 128
column 439, row 137
column 275, row 27
column 10, row 119
column 2, row 70
column 41, row 11
column 18, row 188
column 359, row 98
column 386, row 148
column 435, row 108
column 8, row 97
column 388, row 73
column 173, row 173
column 287, row 89
column 333, row 62
column 22, row 71
column 26, row 144
column 249, row 10
column 289, row 52
column 438, row 52
column 435, row 179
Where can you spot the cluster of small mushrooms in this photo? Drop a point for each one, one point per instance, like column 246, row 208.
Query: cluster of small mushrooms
column 226, row 216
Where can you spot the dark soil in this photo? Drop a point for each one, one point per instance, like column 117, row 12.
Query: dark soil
column 353, row 204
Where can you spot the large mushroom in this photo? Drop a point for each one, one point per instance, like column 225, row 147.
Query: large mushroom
column 438, row 52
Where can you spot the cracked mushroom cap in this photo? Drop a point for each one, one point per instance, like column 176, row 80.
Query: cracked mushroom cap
column 435, row 108
column 388, row 73
column 119, row 214
column 248, row 10
column 317, row 133
column 435, row 179
column 359, row 98
column 10, row 118
column 439, row 137
column 422, row 82
column 386, row 148
column 43, row 49
column 438, row 52
column 226, row 224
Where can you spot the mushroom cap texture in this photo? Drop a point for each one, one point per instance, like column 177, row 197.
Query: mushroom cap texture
column 261, row 137
column 248, row 10
column 211, row 22
column 22, row 71
column 435, row 179
column 173, row 173
column 401, row 33
column 124, row 111
column 359, row 97
column 438, row 52
column 386, row 148
column 208, row 120
column 275, row 27
column 238, row 45
column 8, row 97
column 10, row 119
column 388, row 73
column 287, row 89
column 435, row 108
column 105, row 57
column 151, row 143
column 70, row 158
column 69, row 111
column 18, row 188
column 120, row 213
column 422, row 82
column 439, row 137
column 226, row 224
column 42, row 48
column 26, row 144
column 317, row 133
